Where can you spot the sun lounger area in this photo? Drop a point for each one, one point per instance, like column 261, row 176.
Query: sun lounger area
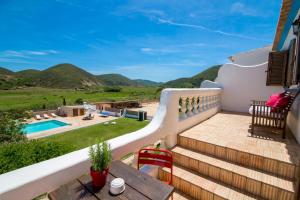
column 44, row 116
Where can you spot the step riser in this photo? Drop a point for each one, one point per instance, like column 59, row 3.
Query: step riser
column 275, row 167
column 187, row 188
column 199, row 193
column 235, row 180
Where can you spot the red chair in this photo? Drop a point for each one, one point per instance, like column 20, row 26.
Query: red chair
column 158, row 157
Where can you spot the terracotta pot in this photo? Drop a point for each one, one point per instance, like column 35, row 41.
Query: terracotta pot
column 99, row 177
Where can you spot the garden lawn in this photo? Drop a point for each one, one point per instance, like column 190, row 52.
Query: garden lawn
column 84, row 137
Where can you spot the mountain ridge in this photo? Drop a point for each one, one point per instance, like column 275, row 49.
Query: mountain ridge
column 210, row 73
column 66, row 75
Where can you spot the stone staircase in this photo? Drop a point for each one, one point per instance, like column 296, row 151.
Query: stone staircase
column 210, row 171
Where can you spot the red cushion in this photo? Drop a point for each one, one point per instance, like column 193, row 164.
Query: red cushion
column 282, row 102
column 273, row 99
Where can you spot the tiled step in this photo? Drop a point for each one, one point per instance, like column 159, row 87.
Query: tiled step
column 235, row 154
column 245, row 179
column 177, row 195
column 201, row 188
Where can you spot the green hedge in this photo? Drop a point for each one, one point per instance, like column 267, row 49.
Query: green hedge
column 20, row 154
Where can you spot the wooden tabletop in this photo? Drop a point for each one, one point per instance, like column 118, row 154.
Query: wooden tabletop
column 139, row 186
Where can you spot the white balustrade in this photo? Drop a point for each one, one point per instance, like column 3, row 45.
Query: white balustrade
column 169, row 120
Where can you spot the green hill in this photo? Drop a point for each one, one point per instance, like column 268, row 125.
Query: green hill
column 28, row 73
column 115, row 80
column 194, row 81
column 147, row 82
column 70, row 76
column 66, row 76
column 63, row 76
column 4, row 71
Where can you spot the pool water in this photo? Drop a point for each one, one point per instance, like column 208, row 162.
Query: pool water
column 43, row 126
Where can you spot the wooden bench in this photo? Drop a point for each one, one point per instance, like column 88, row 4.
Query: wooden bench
column 263, row 115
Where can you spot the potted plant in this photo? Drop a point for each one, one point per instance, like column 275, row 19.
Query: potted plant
column 100, row 157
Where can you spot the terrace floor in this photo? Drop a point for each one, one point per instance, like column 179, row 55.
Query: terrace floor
column 232, row 130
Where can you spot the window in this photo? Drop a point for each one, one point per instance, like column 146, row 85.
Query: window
column 277, row 68
column 284, row 66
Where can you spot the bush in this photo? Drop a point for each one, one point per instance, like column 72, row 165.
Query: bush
column 20, row 154
column 79, row 101
column 112, row 89
column 11, row 126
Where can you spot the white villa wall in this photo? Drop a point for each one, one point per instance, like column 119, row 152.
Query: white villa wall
column 245, row 80
column 253, row 57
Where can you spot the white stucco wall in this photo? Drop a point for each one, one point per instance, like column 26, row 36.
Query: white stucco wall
column 245, row 80
column 252, row 57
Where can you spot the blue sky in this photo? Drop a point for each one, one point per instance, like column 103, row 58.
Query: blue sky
column 154, row 39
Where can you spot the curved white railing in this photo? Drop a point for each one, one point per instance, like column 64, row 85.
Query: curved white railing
column 246, row 66
column 179, row 109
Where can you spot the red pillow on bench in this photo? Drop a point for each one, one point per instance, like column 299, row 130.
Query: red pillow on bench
column 278, row 101
column 274, row 98
column 282, row 102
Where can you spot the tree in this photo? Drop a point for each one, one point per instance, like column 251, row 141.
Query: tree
column 11, row 127
column 64, row 101
column 79, row 101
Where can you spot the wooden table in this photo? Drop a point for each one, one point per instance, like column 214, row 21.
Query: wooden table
column 139, row 186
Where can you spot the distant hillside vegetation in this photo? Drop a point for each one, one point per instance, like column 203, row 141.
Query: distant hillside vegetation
column 62, row 76
column 115, row 80
column 147, row 82
column 70, row 76
column 194, row 81
column 4, row 71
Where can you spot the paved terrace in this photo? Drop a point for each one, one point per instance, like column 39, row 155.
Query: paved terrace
column 232, row 130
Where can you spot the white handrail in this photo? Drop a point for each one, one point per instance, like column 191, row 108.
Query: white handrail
column 238, row 65
column 31, row 181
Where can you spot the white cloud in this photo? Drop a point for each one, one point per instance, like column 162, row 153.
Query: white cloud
column 159, row 50
column 240, row 8
column 72, row 4
column 15, row 60
column 170, row 22
column 26, row 53
column 36, row 53
column 10, row 53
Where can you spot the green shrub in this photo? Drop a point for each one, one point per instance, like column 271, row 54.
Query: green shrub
column 11, row 127
column 112, row 89
column 79, row 101
column 20, row 154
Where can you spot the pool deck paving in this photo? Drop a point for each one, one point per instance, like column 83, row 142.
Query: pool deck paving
column 150, row 108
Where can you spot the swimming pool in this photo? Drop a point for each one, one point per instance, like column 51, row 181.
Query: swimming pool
column 43, row 126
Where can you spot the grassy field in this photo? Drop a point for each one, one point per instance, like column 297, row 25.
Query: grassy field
column 84, row 137
column 36, row 98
